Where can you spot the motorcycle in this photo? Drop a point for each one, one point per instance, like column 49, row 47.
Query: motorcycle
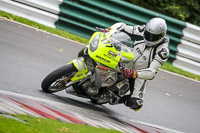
column 96, row 74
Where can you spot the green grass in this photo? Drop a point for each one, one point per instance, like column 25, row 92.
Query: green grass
column 44, row 125
column 43, row 27
column 174, row 69
column 65, row 34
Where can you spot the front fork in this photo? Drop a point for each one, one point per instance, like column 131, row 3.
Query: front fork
column 72, row 82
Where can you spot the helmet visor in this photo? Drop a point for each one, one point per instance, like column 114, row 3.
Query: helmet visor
column 152, row 37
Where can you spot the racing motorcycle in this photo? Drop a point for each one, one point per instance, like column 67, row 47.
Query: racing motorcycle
column 97, row 72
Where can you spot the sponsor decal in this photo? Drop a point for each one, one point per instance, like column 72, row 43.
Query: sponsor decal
column 79, row 75
column 112, row 53
column 103, row 59
column 111, row 57
column 139, row 51
column 83, row 65
column 80, row 67
column 141, row 54
column 163, row 54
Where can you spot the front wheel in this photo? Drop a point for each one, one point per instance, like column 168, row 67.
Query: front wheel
column 56, row 80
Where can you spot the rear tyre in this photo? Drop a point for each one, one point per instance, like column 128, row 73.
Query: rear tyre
column 56, row 80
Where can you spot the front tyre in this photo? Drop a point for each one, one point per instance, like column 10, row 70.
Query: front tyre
column 56, row 80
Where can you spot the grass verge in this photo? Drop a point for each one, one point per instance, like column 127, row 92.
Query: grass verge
column 65, row 34
column 44, row 125
column 43, row 27
column 174, row 69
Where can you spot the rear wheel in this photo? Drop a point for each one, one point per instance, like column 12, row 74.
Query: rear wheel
column 56, row 80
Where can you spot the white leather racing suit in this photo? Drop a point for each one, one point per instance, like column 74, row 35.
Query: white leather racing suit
column 147, row 62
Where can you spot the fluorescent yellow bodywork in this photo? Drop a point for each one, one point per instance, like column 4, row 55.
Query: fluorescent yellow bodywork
column 128, row 55
column 81, row 67
column 106, row 52
column 101, row 54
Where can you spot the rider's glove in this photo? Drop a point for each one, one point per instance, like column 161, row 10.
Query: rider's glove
column 129, row 73
column 106, row 30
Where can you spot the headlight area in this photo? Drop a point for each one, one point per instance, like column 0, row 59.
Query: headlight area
column 94, row 43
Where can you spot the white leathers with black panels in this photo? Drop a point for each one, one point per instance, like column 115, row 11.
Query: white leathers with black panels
column 147, row 59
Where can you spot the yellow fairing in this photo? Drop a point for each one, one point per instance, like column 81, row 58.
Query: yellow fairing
column 82, row 69
column 105, row 52
column 128, row 55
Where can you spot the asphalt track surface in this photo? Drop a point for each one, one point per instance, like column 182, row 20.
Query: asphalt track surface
column 27, row 55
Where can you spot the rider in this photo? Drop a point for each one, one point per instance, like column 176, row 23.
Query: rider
column 150, row 51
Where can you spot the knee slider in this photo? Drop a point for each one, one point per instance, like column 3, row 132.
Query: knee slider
column 134, row 103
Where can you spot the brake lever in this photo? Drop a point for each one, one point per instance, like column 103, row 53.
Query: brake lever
column 98, row 29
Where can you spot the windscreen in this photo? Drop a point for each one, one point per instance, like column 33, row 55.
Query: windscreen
column 121, row 38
